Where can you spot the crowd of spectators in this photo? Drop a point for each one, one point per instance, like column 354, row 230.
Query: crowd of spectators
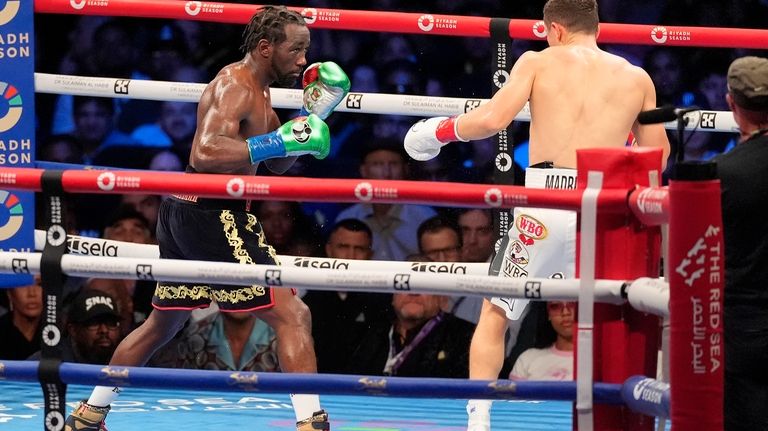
column 379, row 329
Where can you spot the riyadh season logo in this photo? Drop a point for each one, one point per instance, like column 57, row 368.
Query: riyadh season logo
column 493, row 197
column 12, row 97
column 364, row 191
column 9, row 11
column 540, row 29
column 11, row 215
column 500, row 78
column 503, row 162
column 193, row 8
column 77, row 5
column 659, row 34
column 236, row 187
column 426, row 22
column 310, row 15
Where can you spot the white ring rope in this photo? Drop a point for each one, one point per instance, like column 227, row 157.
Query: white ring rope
column 648, row 295
column 84, row 245
column 364, row 103
column 544, row 289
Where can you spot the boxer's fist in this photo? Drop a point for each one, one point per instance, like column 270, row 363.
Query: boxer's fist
column 302, row 135
column 425, row 138
column 325, row 85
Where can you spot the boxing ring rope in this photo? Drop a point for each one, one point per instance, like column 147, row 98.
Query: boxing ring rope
column 314, row 189
column 411, row 23
column 701, row 351
column 362, row 103
column 405, row 387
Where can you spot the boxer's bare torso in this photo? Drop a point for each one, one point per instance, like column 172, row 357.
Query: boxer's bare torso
column 580, row 97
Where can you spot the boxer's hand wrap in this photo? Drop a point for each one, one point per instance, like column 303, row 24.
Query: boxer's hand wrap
column 325, row 86
column 302, row 135
column 425, row 138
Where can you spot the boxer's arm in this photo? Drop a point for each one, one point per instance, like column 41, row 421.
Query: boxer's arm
column 490, row 118
column 280, row 165
column 651, row 135
column 219, row 147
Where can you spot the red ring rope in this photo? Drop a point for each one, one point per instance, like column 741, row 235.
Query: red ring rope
column 313, row 189
column 413, row 23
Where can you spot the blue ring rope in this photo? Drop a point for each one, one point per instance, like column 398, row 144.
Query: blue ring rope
column 639, row 393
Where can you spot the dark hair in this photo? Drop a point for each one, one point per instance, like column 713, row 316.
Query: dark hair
column 269, row 23
column 575, row 15
column 436, row 224
column 352, row 224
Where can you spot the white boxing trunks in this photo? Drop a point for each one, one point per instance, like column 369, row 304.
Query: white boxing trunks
column 540, row 242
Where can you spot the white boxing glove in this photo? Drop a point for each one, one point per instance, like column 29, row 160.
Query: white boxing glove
column 425, row 138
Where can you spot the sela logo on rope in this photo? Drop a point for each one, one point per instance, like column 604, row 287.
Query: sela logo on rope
column 438, row 268
column 273, row 277
column 471, row 104
column 121, row 86
column 20, row 266
column 79, row 245
column 402, row 282
column 308, row 262
column 354, row 101
column 144, row 272
column 707, row 120
column 533, row 289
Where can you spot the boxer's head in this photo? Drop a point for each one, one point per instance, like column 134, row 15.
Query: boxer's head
column 278, row 37
column 572, row 16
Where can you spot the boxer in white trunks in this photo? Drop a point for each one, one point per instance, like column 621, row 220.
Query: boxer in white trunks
column 580, row 97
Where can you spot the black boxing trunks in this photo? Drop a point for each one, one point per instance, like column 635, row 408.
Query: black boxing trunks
column 220, row 230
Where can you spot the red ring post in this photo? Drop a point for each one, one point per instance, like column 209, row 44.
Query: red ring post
column 696, row 282
column 625, row 340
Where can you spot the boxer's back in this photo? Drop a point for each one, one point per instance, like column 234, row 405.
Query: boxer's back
column 581, row 97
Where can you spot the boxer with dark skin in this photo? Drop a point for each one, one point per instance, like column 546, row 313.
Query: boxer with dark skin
column 238, row 129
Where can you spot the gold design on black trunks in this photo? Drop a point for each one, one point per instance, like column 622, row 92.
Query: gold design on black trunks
column 234, row 296
column 182, row 292
column 251, row 222
column 262, row 239
column 233, row 237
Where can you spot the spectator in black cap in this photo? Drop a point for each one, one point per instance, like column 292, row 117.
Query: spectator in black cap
column 744, row 183
column 93, row 329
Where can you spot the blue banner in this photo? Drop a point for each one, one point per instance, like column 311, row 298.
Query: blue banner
column 17, row 128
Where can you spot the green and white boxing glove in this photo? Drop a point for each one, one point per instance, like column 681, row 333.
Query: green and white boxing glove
column 297, row 137
column 325, row 86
